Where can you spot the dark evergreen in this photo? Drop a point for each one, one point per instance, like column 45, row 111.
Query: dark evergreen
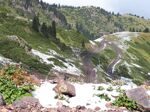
column 53, row 28
column 44, row 29
column 36, row 23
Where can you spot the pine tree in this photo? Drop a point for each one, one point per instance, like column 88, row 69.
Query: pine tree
column 49, row 29
column 44, row 29
column 36, row 23
column 53, row 29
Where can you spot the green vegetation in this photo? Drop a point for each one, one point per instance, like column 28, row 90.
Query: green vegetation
column 57, row 62
column 104, row 96
column 100, row 88
column 124, row 101
column 95, row 21
column 10, row 85
column 12, row 50
column 110, row 88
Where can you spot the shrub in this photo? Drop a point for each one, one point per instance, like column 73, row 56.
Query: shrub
column 104, row 96
column 101, row 88
column 14, row 84
column 124, row 101
column 109, row 88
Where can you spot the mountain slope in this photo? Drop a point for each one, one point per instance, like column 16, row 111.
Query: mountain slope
column 70, row 52
column 94, row 21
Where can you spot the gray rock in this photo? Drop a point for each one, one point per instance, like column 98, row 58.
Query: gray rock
column 2, row 102
column 65, row 88
column 140, row 96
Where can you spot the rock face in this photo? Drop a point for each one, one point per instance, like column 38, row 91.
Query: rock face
column 140, row 96
column 65, row 88
column 2, row 102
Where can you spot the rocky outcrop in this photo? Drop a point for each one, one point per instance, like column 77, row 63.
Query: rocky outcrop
column 140, row 96
column 65, row 88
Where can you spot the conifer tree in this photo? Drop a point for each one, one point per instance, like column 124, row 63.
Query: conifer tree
column 53, row 29
column 36, row 23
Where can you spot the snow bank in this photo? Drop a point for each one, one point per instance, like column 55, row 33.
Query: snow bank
column 86, row 95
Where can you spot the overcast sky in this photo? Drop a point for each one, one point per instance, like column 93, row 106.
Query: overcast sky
column 139, row 7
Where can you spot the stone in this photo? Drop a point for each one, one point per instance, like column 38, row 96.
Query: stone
column 65, row 88
column 97, row 109
column 2, row 102
column 27, row 104
column 140, row 96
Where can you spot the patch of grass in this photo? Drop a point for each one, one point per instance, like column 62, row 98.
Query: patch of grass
column 124, row 101
column 57, row 62
column 110, row 88
column 12, row 50
column 100, row 88
column 104, row 96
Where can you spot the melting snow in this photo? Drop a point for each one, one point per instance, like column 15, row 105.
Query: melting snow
column 43, row 56
column 136, row 65
column 69, row 67
column 4, row 61
column 92, row 42
column 85, row 95
column 113, row 68
column 99, row 39
column 126, row 36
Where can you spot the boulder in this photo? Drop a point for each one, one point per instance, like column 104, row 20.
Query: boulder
column 140, row 96
column 65, row 88
column 2, row 102
column 27, row 104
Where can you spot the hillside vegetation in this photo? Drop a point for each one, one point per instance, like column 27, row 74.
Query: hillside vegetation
column 60, row 42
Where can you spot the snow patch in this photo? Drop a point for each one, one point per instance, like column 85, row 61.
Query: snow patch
column 113, row 68
column 86, row 95
column 69, row 67
column 92, row 42
column 136, row 65
column 5, row 61
column 43, row 56
column 99, row 39
column 126, row 36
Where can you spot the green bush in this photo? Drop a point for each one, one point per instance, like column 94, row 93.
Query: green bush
column 12, row 92
column 100, row 88
column 109, row 88
column 124, row 101
column 104, row 96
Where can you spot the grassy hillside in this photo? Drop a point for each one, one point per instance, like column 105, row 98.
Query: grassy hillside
column 135, row 57
column 93, row 21
column 13, row 25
